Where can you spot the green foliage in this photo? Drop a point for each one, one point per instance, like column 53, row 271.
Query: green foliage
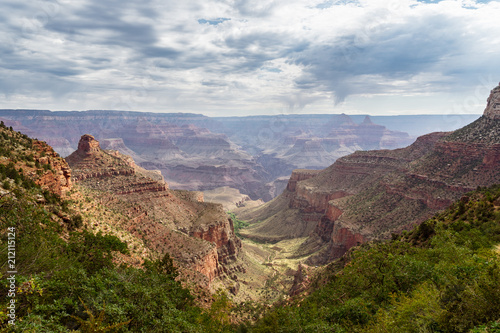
column 493, row 327
column 51, row 198
column 238, row 224
column 415, row 312
column 443, row 276
column 94, row 252
column 219, row 313
column 56, row 274
column 75, row 222
column 164, row 266
column 95, row 324
column 63, row 284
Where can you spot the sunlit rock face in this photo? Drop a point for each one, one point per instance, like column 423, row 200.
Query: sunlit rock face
column 197, row 234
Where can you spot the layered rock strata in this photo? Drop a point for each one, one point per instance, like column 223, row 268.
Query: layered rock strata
column 198, row 235
column 370, row 195
column 190, row 157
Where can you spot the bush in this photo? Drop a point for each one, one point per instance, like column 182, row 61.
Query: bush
column 94, row 252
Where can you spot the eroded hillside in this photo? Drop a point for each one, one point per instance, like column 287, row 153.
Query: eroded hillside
column 372, row 194
column 196, row 234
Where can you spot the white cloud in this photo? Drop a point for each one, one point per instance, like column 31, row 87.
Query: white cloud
column 245, row 57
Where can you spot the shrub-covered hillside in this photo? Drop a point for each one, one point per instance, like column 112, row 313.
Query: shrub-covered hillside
column 443, row 276
column 67, row 275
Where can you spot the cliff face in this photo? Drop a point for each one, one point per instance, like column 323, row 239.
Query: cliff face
column 205, row 177
column 298, row 175
column 338, row 137
column 219, row 230
column 492, row 110
column 35, row 160
column 58, row 179
column 371, row 194
column 192, row 157
column 198, row 235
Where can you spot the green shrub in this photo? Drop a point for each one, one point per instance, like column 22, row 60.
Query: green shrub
column 94, row 252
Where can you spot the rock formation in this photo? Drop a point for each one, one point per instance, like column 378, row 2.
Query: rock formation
column 196, row 234
column 58, row 178
column 492, row 110
column 88, row 145
column 299, row 149
column 371, row 194
column 193, row 152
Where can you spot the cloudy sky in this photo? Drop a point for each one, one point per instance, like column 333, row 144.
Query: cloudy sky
column 237, row 57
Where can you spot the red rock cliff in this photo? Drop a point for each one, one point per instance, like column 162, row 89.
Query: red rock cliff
column 198, row 235
column 58, row 179
column 492, row 110
column 370, row 194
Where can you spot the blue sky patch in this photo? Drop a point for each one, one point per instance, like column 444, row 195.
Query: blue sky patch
column 213, row 21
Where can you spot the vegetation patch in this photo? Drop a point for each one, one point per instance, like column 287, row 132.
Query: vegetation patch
column 238, row 224
column 443, row 276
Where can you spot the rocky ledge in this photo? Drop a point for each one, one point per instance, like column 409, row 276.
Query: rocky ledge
column 58, row 178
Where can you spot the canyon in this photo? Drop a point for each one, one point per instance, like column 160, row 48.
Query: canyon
column 369, row 195
column 254, row 155
column 190, row 157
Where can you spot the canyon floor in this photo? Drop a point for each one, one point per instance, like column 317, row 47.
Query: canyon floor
column 270, row 270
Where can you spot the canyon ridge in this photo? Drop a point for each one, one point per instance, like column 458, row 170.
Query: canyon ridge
column 369, row 195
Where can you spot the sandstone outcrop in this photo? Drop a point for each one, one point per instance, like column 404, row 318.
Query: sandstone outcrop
column 58, row 178
column 492, row 110
column 198, row 235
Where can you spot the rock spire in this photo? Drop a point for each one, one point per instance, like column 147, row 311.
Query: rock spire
column 88, row 144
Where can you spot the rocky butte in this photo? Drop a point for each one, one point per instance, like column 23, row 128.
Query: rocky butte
column 198, row 235
column 369, row 195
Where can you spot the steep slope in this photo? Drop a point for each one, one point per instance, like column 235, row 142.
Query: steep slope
column 442, row 276
column 72, row 260
column 198, row 235
column 35, row 175
column 369, row 195
column 34, row 160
